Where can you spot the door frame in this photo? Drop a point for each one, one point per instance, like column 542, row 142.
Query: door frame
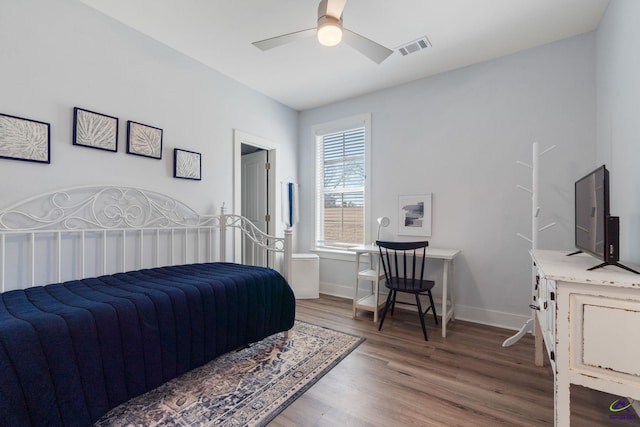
column 239, row 138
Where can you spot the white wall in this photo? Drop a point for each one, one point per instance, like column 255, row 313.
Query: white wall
column 618, row 71
column 56, row 55
column 458, row 135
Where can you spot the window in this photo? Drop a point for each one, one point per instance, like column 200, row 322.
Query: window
column 341, row 195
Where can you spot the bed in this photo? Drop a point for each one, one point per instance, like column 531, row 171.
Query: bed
column 126, row 289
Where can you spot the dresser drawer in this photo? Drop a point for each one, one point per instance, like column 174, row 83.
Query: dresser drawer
column 604, row 337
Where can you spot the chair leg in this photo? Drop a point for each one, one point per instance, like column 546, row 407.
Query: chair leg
column 424, row 328
column 433, row 307
column 384, row 312
column 393, row 302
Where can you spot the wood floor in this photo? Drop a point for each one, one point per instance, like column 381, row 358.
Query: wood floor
column 395, row 378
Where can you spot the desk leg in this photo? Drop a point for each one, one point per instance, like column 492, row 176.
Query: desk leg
column 376, row 288
column 447, row 314
column 355, row 295
column 449, row 266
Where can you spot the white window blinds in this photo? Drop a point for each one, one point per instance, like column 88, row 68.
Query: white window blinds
column 341, row 188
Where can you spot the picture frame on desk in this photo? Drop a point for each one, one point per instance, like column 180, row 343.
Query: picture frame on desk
column 414, row 215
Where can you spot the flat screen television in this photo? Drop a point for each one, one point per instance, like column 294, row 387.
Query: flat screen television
column 596, row 231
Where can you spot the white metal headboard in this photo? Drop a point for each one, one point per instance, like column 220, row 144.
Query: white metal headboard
column 90, row 231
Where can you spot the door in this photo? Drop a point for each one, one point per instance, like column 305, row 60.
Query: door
column 255, row 200
column 245, row 143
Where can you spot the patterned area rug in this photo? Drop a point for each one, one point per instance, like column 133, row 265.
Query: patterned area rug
column 248, row 387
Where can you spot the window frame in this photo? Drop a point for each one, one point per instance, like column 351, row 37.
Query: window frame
column 336, row 126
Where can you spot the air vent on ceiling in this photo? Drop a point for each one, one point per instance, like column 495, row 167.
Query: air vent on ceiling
column 414, row 46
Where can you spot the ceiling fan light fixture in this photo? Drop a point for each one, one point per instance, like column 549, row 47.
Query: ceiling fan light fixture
column 329, row 30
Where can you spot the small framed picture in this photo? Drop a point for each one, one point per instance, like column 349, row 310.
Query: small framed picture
column 24, row 139
column 144, row 140
column 414, row 212
column 95, row 130
column 187, row 164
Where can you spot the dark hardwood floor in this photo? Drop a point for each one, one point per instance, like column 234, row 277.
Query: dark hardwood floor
column 395, row 378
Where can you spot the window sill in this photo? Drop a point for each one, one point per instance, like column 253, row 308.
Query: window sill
column 337, row 254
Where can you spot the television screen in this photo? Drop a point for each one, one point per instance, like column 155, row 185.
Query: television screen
column 592, row 212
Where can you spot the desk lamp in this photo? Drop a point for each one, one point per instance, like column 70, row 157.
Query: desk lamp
column 383, row 221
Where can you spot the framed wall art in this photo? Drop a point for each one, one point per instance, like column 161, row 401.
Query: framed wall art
column 144, row 140
column 414, row 213
column 95, row 130
column 187, row 164
column 24, row 139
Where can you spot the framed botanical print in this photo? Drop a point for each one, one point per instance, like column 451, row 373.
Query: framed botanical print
column 144, row 140
column 24, row 139
column 95, row 130
column 187, row 164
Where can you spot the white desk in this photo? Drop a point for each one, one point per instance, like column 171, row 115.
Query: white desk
column 372, row 303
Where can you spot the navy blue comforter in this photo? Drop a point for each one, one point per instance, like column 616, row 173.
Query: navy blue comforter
column 70, row 352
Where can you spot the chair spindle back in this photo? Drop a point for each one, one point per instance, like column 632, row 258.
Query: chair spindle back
column 389, row 252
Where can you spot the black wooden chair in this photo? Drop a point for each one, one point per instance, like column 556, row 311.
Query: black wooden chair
column 403, row 264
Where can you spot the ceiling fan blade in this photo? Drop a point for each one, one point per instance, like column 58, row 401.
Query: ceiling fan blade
column 284, row 39
column 372, row 50
column 331, row 7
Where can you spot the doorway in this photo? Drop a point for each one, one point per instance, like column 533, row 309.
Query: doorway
column 255, row 186
column 254, row 190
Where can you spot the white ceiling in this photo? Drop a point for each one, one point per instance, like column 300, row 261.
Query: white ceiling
column 306, row 74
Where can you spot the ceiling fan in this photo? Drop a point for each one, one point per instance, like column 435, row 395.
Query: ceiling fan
column 330, row 32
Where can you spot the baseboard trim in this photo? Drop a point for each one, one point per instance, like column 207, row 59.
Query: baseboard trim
column 494, row 318
column 336, row 290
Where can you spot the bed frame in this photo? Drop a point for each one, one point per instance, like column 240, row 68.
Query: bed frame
column 75, row 349
column 90, row 231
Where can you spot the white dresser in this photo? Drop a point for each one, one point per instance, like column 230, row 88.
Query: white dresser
column 590, row 324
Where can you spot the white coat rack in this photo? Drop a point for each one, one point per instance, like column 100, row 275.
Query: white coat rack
column 535, row 229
